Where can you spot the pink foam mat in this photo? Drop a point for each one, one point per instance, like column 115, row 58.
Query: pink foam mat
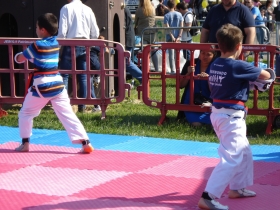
column 270, row 179
column 104, row 204
column 145, row 188
column 53, row 177
column 38, row 154
column 267, row 199
column 16, row 200
column 108, row 160
column 6, row 167
column 263, row 168
column 186, row 166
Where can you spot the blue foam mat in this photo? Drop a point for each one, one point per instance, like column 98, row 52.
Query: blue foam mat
column 268, row 153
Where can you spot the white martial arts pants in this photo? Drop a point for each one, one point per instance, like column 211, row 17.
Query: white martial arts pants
column 236, row 163
column 61, row 104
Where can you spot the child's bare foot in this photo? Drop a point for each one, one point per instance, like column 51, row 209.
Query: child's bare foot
column 23, row 147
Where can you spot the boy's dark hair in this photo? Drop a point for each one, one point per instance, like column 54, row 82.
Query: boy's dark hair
column 160, row 11
column 229, row 36
column 171, row 4
column 49, row 22
column 182, row 5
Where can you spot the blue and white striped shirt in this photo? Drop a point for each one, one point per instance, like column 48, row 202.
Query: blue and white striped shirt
column 44, row 54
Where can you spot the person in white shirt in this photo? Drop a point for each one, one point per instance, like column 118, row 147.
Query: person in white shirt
column 274, row 3
column 188, row 19
column 77, row 21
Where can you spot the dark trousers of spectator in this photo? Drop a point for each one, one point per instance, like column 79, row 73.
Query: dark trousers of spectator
column 66, row 64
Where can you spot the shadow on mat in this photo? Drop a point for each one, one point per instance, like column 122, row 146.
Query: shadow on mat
column 37, row 152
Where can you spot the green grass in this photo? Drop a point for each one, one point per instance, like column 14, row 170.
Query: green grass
column 132, row 117
column 196, row 38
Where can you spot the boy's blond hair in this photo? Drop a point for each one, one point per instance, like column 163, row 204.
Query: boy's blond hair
column 229, row 36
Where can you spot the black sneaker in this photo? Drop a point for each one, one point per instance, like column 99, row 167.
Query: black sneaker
column 81, row 110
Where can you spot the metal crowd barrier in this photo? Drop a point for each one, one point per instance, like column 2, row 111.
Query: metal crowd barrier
column 15, row 45
column 164, row 104
column 152, row 34
column 154, row 30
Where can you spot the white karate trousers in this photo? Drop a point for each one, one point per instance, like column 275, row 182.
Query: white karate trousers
column 236, row 163
column 61, row 104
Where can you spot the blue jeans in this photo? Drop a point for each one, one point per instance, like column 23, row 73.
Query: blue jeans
column 172, row 58
column 260, row 35
column 66, row 64
column 94, row 60
column 187, row 53
column 133, row 69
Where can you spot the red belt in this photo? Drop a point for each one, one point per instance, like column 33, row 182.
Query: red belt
column 45, row 72
column 229, row 101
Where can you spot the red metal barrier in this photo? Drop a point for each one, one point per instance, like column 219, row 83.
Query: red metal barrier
column 104, row 99
column 271, row 112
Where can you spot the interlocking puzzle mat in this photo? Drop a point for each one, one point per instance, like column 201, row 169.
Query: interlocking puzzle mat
column 123, row 172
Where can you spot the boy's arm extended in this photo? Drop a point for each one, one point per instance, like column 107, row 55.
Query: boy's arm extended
column 264, row 81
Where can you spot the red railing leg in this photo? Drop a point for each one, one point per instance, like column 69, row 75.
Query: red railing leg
column 163, row 116
column 269, row 126
column 3, row 112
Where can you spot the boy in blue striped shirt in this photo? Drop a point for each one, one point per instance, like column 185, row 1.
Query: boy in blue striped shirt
column 47, row 85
